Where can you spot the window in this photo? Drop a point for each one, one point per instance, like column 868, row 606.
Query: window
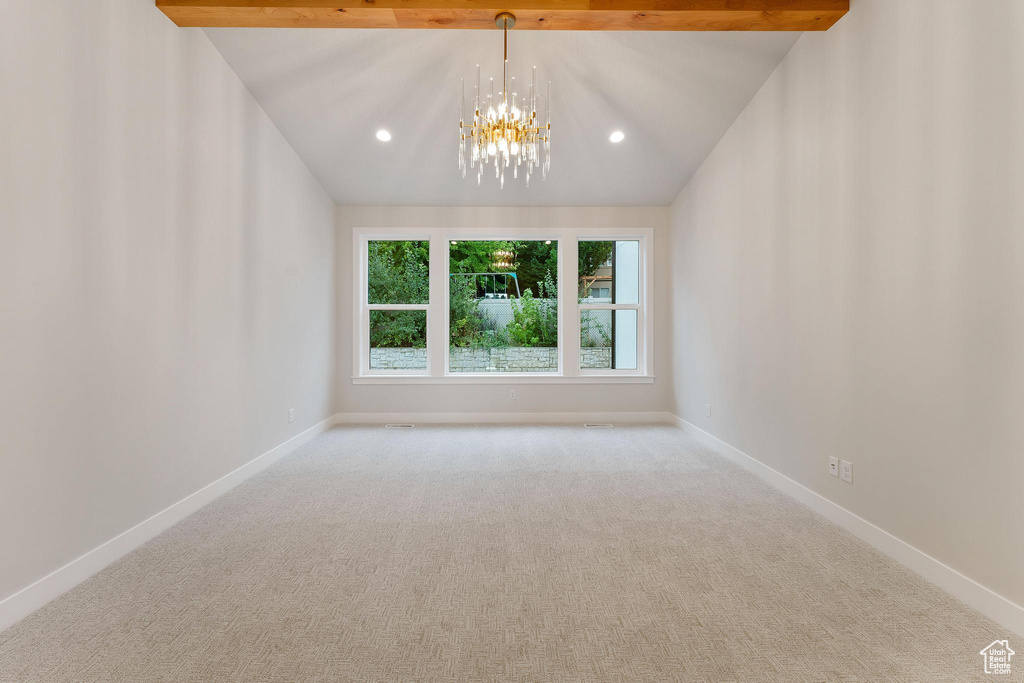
column 609, row 297
column 398, row 297
column 525, row 305
column 503, row 306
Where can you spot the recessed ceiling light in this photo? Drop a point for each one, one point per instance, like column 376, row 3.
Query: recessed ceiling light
column 383, row 135
column 617, row 136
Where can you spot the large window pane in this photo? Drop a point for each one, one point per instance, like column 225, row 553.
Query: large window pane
column 503, row 306
column 398, row 340
column 608, row 340
column 609, row 271
column 398, row 272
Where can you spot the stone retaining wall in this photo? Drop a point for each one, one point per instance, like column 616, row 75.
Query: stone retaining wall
column 596, row 358
column 508, row 359
column 398, row 359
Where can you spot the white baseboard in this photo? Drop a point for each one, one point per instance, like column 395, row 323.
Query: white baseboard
column 502, row 418
column 989, row 603
column 19, row 605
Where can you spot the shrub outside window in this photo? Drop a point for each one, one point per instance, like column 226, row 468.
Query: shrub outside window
column 398, row 297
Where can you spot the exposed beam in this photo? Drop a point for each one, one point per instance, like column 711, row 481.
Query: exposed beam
column 561, row 15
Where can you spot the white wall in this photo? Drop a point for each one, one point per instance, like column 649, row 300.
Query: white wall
column 531, row 398
column 166, row 284
column 850, row 271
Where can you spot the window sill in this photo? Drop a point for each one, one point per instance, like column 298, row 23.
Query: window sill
column 503, row 379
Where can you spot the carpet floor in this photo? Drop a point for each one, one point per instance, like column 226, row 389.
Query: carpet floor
column 502, row 553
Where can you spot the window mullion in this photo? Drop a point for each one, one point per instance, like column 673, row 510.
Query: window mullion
column 609, row 307
column 568, row 310
column 645, row 316
column 398, row 307
column 437, row 313
column 361, row 347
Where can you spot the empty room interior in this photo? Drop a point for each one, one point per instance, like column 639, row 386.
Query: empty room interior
column 568, row 340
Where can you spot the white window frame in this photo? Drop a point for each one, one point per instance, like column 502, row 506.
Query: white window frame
column 437, row 371
column 363, row 326
column 641, row 315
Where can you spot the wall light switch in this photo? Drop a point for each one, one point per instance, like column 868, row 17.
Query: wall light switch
column 846, row 470
column 833, row 466
column 291, row 415
column 708, row 411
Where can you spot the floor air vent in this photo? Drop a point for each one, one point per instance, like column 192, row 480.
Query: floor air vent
column 597, row 425
column 398, row 426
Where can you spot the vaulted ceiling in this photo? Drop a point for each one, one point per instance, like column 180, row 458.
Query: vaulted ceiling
column 673, row 95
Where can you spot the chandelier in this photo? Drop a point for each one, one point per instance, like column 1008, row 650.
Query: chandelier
column 505, row 129
column 502, row 258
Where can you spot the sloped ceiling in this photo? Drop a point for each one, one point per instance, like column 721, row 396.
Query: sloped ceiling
column 673, row 95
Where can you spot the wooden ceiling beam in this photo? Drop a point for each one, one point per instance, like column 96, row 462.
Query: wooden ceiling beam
column 557, row 15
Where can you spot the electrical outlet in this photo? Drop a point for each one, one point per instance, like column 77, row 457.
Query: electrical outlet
column 833, row 466
column 291, row 415
column 511, row 394
column 708, row 411
column 846, row 471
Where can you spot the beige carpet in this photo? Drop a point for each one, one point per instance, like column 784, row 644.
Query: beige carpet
column 502, row 554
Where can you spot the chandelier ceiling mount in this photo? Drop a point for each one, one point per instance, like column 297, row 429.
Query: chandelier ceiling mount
column 504, row 21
